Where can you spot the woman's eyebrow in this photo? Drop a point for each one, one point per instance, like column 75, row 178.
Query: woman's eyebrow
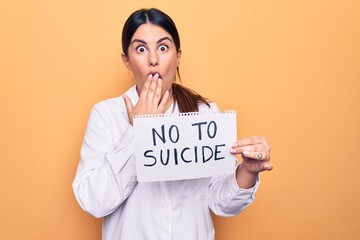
column 164, row 38
column 143, row 42
column 138, row 40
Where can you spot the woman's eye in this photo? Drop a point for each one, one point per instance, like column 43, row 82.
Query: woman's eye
column 140, row 49
column 163, row 48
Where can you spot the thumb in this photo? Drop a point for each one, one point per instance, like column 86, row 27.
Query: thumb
column 129, row 107
column 268, row 166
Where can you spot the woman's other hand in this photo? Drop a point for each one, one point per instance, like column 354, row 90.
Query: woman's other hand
column 255, row 152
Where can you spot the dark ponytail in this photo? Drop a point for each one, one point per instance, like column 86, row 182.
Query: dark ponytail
column 186, row 99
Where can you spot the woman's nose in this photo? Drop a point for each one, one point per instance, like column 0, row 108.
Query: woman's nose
column 153, row 59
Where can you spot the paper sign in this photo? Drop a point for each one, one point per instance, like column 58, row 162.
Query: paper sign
column 184, row 145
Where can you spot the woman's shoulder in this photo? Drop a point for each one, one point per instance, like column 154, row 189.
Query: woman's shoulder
column 115, row 103
column 109, row 104
column 111, row 111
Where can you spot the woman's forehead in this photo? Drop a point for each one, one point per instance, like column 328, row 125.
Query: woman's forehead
column 151, row 32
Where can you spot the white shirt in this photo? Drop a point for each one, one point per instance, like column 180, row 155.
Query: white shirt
column 105, row 185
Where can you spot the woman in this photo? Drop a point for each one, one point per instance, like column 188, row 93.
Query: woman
column 106, row 185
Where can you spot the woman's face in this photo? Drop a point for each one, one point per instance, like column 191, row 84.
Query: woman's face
column 152, row 50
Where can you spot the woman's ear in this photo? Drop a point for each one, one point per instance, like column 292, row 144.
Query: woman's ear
column 125, row 59
column 178, row 57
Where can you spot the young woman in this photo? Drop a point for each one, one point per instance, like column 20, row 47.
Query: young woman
column 106, row 185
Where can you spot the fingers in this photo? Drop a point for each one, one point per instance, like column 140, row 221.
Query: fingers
column 164, row 101
column 151, row 100
column 252, row 148
column 268, row 166
column 145, row 89
column 153, row 89
column 129, row 108
column 251, row 141
column 128, row 103
column 255, row 151
column 258, row 152
column 253, row 144
column 157, row 93
column 151, row 92
column 265, row 166
column 256, row 155
column 263, row 156
column 259, row 167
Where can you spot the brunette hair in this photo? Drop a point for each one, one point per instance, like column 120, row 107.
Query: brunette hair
column 186, row 99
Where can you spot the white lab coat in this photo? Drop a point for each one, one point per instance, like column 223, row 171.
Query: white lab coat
column 105, row 185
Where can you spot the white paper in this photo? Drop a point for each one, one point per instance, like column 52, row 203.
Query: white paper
column 184, row 145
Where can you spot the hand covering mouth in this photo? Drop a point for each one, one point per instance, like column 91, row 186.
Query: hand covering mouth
column 153, row 74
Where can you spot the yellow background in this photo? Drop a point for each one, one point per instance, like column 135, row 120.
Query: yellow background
column 291, row 69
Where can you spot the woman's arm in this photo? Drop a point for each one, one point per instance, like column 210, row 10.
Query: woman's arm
column 229, row 195
column 106, row 174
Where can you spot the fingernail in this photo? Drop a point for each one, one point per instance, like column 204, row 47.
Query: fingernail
column 233, row 150
column 235, row 145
